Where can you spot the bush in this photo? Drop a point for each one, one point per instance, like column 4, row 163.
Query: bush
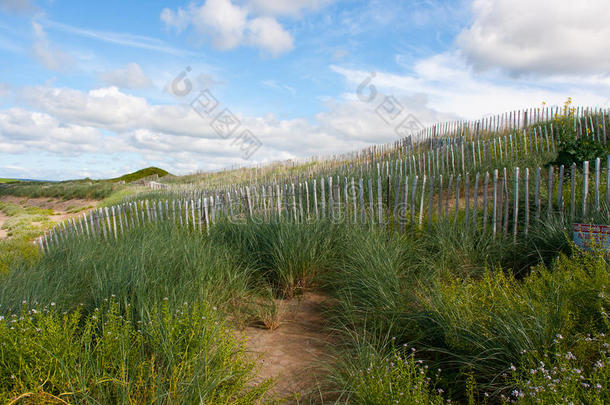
column 186, row 356
column 564, row 374
column 375, row 372
column 578, row 150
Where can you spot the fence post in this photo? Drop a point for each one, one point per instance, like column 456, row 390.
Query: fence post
column 421, row 204
column 457, row 198
column 475, row 200
column 430, row 197
column 516, row 206
column 413, row 196
column 597, row 185
column 379, row 202
column 494, row 223
column 526, row 204
column 585, row 188
column 550, row 193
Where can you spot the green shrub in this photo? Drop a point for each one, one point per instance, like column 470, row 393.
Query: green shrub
column 578, row 150
column 564, row 374
column 487, row 325
column 182, row 356
column 17, row 253
column 375, row 372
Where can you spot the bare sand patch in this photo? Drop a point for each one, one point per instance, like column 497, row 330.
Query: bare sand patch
column 291, row 352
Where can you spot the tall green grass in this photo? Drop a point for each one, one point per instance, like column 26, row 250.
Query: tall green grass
column 141, row 269
column 466, row 303
column 290, row 258
column 106, row 357
column 94, row 190
column 472, row 304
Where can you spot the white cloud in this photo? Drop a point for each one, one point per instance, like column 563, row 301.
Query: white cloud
column 22, row 131
column 222, row 20
column 48, row 55
column 447, row 83
column 177, row 20
column 272, row 84
column 131, row 77
column 539, row 36
column 266, row 33
column 107, row 120
column 118, row 38
column 229, row 26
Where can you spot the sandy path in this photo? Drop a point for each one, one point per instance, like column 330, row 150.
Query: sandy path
column 291, row 352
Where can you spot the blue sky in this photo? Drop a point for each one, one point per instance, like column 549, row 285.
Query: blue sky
column 86, row 87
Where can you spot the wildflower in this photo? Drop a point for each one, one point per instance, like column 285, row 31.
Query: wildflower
column 53, row 304
column 513, row 368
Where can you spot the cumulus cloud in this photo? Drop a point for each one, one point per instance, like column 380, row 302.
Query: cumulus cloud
column 266, row 33
column 131, row 77
column 229, row 25
column 223, row 21
column 538, row 36
column 48, row 55
column 22, row 131
column 107, row 120
column 447, row 83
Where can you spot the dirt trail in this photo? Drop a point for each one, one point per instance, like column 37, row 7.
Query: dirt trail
column 292, row 352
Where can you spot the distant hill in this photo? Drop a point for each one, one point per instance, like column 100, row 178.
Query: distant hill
column 140, row 174
column 8, row 180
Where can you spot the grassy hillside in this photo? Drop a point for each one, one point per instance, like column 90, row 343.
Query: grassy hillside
column 4, row 181
column 86, row 188
column 140, row 174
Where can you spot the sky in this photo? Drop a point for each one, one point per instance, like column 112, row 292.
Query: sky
column 99, row 89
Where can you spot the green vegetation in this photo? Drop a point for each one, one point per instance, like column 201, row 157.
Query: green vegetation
column 183, row 356
column 95, row 190
column 435, row 314
column 4, row 181
column 476, row 317
column 83, row 189
column 23, row 224
column 140, row 174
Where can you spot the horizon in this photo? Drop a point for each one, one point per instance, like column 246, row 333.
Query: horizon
column 101, row 90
